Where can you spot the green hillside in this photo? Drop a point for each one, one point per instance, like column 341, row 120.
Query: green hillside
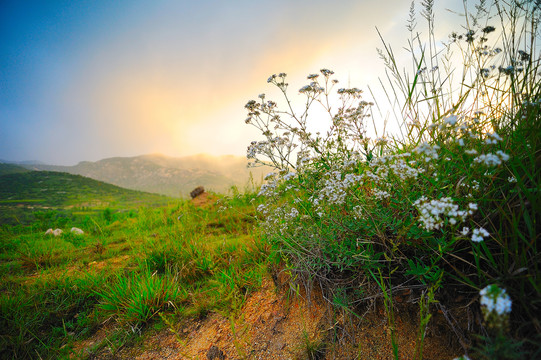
column 11, row 169
column 24, row 193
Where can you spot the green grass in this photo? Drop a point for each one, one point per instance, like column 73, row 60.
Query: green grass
column 132, row 267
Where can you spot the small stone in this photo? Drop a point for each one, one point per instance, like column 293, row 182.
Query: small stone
column 215, row 353
column 77, row 231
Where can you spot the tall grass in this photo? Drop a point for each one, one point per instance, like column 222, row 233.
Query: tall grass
column 449, row 204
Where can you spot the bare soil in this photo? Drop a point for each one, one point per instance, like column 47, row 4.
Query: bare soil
column 273, row 324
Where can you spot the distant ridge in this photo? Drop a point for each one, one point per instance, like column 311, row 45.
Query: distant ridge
column 172, row 176
column 27, row 162
column 7, row 168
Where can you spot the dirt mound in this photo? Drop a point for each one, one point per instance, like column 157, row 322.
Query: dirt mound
column 273, row 325
column 204, row 200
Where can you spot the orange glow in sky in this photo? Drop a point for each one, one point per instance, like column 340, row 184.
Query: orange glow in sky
column 86, row 80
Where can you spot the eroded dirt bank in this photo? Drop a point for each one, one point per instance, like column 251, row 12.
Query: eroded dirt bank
column 273, row 325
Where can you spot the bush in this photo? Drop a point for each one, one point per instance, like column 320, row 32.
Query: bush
column 449, row 204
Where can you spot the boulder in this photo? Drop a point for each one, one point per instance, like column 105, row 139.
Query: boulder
column 197, row 191
column 77, row 231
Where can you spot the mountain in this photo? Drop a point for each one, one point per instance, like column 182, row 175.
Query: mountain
column 166, row 175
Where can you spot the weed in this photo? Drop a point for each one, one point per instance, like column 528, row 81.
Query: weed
column 137, row 298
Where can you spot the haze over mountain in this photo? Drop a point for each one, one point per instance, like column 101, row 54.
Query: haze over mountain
column 166, row 175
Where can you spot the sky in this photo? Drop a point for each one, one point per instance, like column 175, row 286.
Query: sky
column 86, row 80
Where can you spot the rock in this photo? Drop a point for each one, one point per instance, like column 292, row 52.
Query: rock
column 215, row 353
column 77, row 231
column 197, row 191
column 57, row 232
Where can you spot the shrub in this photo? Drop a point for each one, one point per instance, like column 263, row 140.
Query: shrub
column 451, row 203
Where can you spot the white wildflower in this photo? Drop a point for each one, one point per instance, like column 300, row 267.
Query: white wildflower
column 289, row 176
column 491, row 159
column 451, row 120
column 432, row 213
column 492, row 138
column 494, row 299
column 429, row 151
column 293, row 213
column 381, row 195
column 502, row 155
column 479, row 235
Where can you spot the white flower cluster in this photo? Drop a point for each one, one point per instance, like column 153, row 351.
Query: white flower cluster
column 430, row 152
column 267, row 147
column 491, row 159
column 451, row 120
column 358, row 212
column 492, row 138
column 268, row 189
column 494, row 299
column 279, row 220
column 263, row 209
column 381, row 195
column 401, row 169
column 479, row 235
column 293, row 213
column 433, row 211
column 256, row 147
column 334, row 189
column 395, row 164
column 289, row 176
column 313, row 88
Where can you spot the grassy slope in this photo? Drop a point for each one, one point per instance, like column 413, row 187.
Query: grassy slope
column 23, row 193
column 53, row 189
column 11, row 169
column 186, row 260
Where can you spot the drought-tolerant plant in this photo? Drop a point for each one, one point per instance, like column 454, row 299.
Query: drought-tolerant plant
column 449, row 203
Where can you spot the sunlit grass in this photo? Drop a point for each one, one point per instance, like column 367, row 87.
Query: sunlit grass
column 128, row 267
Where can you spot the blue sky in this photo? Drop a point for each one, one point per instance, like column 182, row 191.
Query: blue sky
column 85, row 80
